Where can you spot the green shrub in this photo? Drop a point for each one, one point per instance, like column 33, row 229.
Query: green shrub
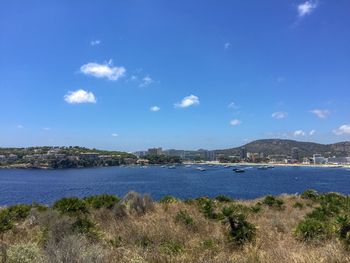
column 11, row 214
column 19, row 212
column 23, row 253
column 311, row 229
column 333, row 202
column 227, row 211
column 320, row 213
column 185, row 218
column 298, row 205
column 256, row 208
column 272, row 201
column 71, row 206
column 168, row 199
column 207, row 207
column 343, row 222
column 83, row 226
column 6, row 222
column 171, row 248
column 241, row 231
column 99, row 201
column 310, row 194
column 223, row 198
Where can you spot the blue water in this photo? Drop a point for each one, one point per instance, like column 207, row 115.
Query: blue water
column 46, row 186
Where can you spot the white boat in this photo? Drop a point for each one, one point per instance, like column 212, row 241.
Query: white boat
column 200, row 169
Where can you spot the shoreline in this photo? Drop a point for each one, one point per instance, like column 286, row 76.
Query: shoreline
column 345, row 166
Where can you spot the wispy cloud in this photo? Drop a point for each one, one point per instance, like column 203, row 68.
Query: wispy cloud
column 79, row 96
column 232, row 105
column 306, row 8
column 106, row 70
column 321, row 113
column 235, row 122
column 299, row 133
column 115, row 134
column 227, row 45
column 187, row 102
column 279, row 115
column 47, row 129
column 154, row 108
column 95, row 42
column 312, row 132
column 20, row 126
column 342, row 130
column 146, row 81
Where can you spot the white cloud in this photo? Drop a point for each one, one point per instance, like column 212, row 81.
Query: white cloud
column 232, row 105
column 95, row 42
column 106, row 70
column 342, row 130
column 312, row 132
column 146, row 81
column 227, row 45
column 46, row 128
column 187, row 102
column 20, row 126
column 306, row 8
column 321, row 113
column 299, row 133
column 279, row 115
column 235, row 122
column 115, row 135
column 79, row 96
column 154, row 108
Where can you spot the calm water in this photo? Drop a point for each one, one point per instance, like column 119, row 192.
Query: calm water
column 27, row 186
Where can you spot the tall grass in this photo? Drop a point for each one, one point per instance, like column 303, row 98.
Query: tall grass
column 309, row 228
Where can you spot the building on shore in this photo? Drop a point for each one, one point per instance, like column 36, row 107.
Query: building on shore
column 155, row 151
column 295, row 154
column 242, row 153
column 142, row 161
column 319, row 159
column 89, row 155
column 278, row 158
column 339, row 160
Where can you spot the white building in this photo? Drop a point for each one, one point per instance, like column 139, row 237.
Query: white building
column 319, row 159
column 339, row 160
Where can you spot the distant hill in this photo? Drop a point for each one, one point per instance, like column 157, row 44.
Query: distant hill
column 280, row 146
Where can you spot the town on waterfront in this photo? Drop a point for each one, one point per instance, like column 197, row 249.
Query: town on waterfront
column 78, row 157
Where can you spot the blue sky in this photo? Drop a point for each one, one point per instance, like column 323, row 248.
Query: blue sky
column 130, row 75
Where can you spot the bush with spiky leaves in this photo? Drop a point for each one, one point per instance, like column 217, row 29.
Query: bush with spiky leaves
column 99, row 201
column 71, row 206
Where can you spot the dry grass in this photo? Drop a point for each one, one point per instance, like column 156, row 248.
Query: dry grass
column 155, row 236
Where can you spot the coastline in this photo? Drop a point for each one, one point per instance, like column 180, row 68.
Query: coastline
column 346, row 166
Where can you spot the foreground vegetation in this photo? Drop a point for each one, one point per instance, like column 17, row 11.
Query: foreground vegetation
column 311, row 227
